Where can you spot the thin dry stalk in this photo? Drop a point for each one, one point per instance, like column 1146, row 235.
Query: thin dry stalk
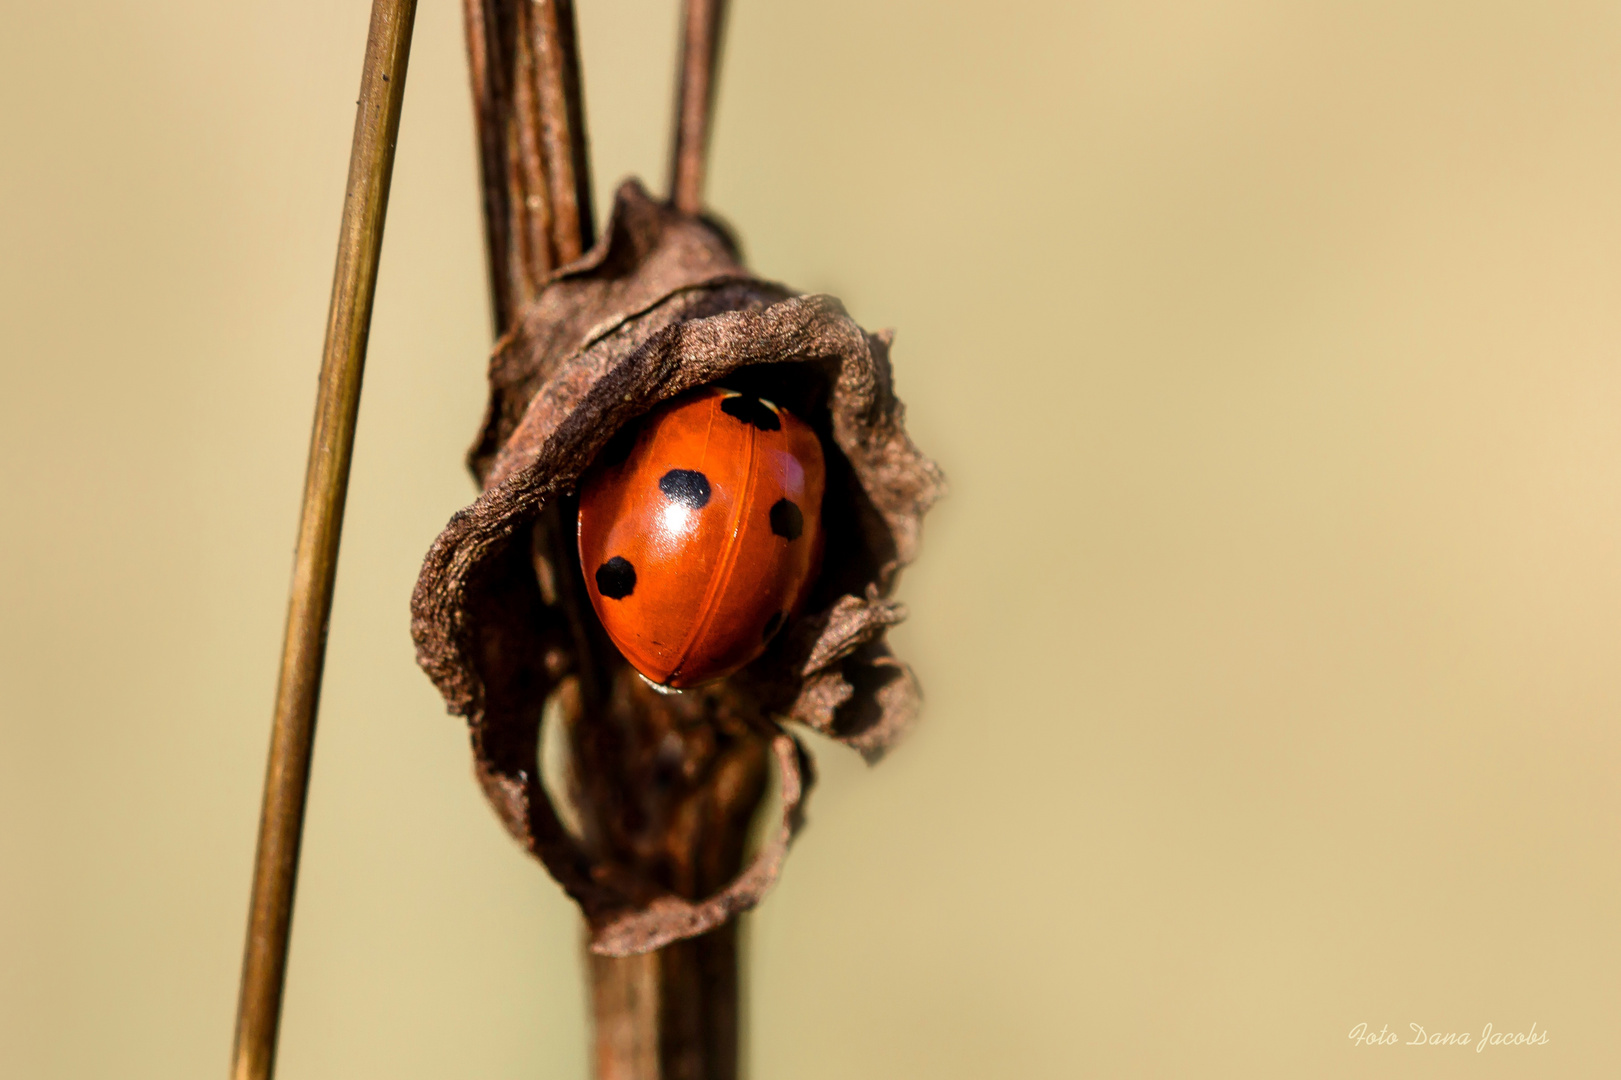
column 702, row 24
column 326, row 483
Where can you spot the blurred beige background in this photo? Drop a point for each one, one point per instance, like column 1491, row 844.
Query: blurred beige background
column 1270, row 631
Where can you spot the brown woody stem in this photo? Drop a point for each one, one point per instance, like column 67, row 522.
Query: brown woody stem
column 671, row 1013
column 701, row 26
column 326, row 483
column 535, row 171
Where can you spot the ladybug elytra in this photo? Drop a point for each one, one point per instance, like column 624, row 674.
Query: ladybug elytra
column 700, row 533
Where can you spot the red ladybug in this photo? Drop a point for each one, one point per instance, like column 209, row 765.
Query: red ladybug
column 701, row 533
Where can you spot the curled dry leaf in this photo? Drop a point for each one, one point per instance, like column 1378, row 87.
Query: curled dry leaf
column 660, row 306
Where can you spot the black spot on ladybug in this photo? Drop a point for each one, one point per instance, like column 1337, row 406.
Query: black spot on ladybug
column 688, row 487
column 786, row 520
column 616, row 578
column 772, row 625
column 751, row 410
column 620, row 446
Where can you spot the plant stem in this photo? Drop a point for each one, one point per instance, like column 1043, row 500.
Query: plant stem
column 535, row 170
column 672, row 1013
column 326, row 483
column 702, row 24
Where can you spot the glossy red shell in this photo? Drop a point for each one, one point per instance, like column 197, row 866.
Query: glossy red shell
column 701, row 533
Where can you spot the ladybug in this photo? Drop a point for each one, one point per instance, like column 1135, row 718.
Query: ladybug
column 701, row 533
